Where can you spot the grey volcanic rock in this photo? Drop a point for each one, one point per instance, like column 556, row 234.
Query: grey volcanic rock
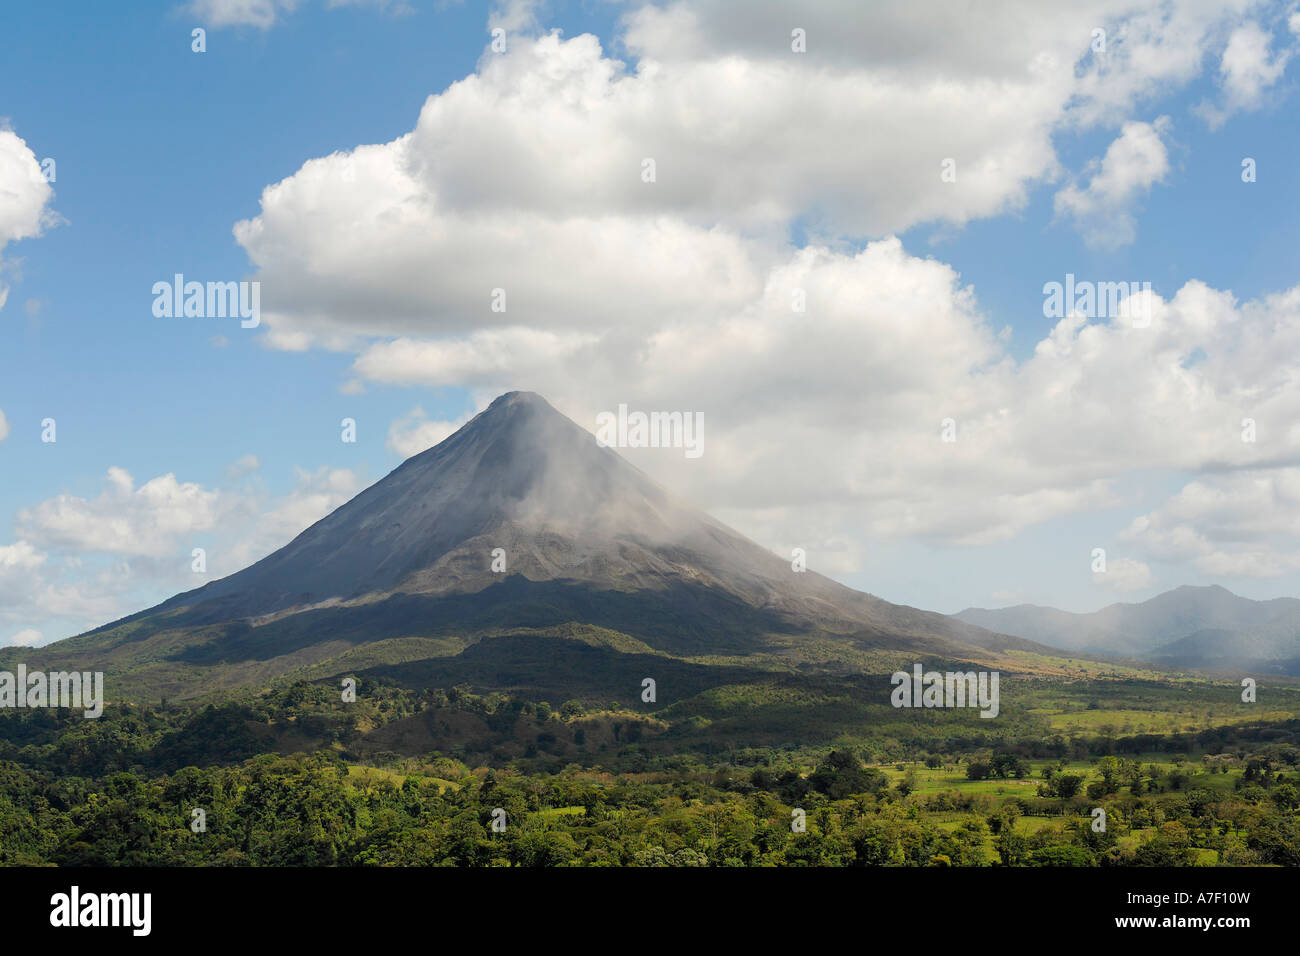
column 519, row 476
column 522, row 477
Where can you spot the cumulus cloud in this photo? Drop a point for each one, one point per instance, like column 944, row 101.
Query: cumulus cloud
column 847, row 418
column 246, row 465
column 250, row 524
column 159, row 517
column 239, row 13
column 427, row 268
column 315, row 494
column 1124, row 575
column 26, row 638
column 20, row 566
column 24, row 212
column 523, row 200
column 1247, row 69
column 123, row 519
column 18, row 557
column 1103, row 209
column 24, row 195
column 1240, row 524
column 81, row 562
column 1149, row 48
column 415, row 432
column 4, row 426
column 531, row 175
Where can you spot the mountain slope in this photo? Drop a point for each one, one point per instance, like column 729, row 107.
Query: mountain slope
column 404, row 573
column 1188, row 627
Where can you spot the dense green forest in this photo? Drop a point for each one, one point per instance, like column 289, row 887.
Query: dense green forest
column 452, row 778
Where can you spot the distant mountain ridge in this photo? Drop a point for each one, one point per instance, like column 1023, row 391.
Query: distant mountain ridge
column 1188, row 627
column 401, row 580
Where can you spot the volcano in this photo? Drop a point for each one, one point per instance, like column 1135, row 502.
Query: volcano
column 496, row 557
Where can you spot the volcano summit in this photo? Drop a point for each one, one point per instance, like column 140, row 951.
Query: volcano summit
column 516, row 554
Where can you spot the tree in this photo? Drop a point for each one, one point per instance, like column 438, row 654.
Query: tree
column 1066, row 785
column 842, row 775
column 1109, row 769
column 907, row 784
column 1013, row 849
column 1061, row 856
column 1009, row 765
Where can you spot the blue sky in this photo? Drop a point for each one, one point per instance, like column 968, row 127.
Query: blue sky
column 160, row 151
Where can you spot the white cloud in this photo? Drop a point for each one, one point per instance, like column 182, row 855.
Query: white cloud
column 1150, row 48
column 400, row 265
column 264, row 14
column 845, row 419
column 20, row 555
column 123, row 520
column 82, row 562
column 23, row 214
column 1124, row 575
column 415, row 433
column 246, row 465
column 1134, row 162
column 4, row 426
column 527, row 175
column 26, row 638
column 20, row 565
column 515, row 16
column 160, row 518
column 1248, row 66
column 315, row 495
column 1247, row 69
column 1239, row 524
column 24, row 195
column 238, row 13
column 484, row 355
column 259, row 525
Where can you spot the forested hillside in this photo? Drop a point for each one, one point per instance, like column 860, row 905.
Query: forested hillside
column 293, row 778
